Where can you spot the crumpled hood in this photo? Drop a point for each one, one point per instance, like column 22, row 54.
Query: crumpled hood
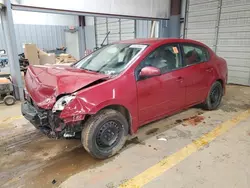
column 45, row 83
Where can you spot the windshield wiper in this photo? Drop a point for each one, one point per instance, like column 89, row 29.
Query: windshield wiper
column 99, row 70
column 88, row 70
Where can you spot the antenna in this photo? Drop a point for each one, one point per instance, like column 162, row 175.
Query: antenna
column 105, row 38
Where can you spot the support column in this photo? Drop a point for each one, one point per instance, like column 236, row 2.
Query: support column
column 217, row 27
column 163, row 29
column 174, row 22
column 10, row 38
column 82, row 42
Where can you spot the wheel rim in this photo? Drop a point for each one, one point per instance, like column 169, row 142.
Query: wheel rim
column 215, row 96
column 109, row 134
column 9, row 101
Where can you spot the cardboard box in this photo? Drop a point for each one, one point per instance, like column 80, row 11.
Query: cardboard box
column 65, row 58
column 47, row 59
column 31, row 53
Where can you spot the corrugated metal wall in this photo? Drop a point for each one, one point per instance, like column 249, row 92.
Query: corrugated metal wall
column 2, row 40
column 143, row 28
column 127, row 29
column 114, row 26
column 224, row 25
column 234, row 39
column 120, row 29
column 201, row 21
column 101, row 31
column 46, row 37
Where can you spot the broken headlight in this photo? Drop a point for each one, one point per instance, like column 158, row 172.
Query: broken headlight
column 62, row 102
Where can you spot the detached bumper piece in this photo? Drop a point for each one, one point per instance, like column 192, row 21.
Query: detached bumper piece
column 30, row 113
column 49, row 123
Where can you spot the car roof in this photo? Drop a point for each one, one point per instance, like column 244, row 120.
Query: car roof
column 153, row 41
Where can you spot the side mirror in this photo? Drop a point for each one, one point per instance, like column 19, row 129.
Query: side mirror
column 149, row 72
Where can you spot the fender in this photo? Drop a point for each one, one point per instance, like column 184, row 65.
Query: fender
column 78, row 108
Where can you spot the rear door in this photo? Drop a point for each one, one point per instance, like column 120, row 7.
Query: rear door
column 164, row 94
column 197, row 73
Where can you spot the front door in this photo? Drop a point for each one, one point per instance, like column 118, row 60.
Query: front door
column 160, row 95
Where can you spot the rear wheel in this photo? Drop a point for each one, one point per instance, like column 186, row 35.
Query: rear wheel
column 9, row 100
column 214, row 97
column 105, row 133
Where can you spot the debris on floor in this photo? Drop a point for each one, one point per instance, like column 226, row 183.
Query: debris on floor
column 54, row 181
column 162, row 139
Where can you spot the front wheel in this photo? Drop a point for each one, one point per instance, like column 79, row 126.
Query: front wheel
column 105, row 133
column 214, row 97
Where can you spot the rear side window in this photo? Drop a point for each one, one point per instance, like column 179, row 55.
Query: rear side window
column 195, row 54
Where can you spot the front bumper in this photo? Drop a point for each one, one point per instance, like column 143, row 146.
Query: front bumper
column 48, row 122
column 31, row 114
column 39, row 118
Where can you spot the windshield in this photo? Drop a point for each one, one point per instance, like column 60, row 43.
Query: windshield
column 112, row 59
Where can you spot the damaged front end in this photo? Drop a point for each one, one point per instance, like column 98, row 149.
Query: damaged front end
column 51, row 102
column 49, row 121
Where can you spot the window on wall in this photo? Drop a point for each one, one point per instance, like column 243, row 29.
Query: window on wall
column 194, row 54
column 166, row 58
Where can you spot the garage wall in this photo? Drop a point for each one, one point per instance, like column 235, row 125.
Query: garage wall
column 224, row 25
column 2, row 40
column 120, row 29
column 44, row 36
column 234, row 39
column 89, row 31
column 45, row 30
column 143, row 28
column 36, row 18
column 201, row 21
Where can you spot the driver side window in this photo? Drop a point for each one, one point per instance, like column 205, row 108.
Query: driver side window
column 166, row 58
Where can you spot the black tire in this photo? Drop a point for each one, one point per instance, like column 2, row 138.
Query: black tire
column 9, row 100
column 214, row 97
column 106, row 126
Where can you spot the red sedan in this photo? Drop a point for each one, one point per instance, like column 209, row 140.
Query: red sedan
column 120, row 87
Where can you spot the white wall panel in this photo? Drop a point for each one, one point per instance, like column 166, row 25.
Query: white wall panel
column 202, row 20
column 46, row 37
column 141, row 8
column 143, row 28
column 35, row 18
column 101, row 30
column 199, row 6
column 234, row 39
column 127, row 29
column 120, row 29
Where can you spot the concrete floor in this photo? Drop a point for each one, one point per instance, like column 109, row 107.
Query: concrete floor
column 30, row 159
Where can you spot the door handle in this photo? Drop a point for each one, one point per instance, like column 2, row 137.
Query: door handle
column 179, row 79
column 209, row 69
